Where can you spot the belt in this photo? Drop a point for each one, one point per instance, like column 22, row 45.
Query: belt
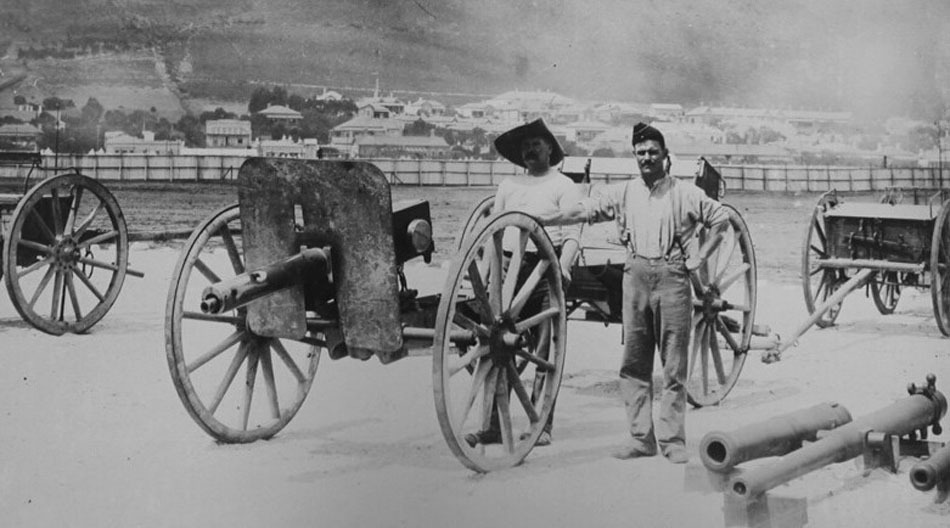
column 659, row 260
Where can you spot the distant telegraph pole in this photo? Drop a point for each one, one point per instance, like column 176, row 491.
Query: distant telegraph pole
column 939, row 151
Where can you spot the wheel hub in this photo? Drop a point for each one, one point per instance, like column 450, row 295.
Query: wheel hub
column 66, row 253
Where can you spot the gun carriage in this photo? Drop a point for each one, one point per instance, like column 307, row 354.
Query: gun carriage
column 311, row 260
column 65, row 248
column 887, row 246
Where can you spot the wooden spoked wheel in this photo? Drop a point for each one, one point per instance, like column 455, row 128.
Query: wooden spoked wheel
column 724, row 313
column 818, row 282
column 515, row 308
column 206, row 353
column 476, row 217
column 886, row 291
column 66, row 254
column 940, row 269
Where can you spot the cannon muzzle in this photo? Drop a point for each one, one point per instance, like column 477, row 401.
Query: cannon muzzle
column 722, row 451
column 928, row 473
column 230, row 294
column 924, row 407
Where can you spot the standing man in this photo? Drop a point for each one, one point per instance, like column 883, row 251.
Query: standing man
column 658, row 217
column 541, row 190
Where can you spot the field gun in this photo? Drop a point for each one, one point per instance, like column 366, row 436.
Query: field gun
column 722, row 451
column 933, row 472
column 923, row 408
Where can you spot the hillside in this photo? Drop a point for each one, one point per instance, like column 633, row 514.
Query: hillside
column 881, row 59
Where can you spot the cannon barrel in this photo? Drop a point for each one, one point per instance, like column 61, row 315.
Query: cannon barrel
column 233, row 293
column 928, row 473
column 721, row 451
column 924, row 407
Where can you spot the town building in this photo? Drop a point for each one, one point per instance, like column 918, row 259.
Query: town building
column 345, row 134
column 428, row 147
column 281, row 114
column 228, row 133
column 117, row 142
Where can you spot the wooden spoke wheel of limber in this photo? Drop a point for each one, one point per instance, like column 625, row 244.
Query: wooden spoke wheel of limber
column 66, row 254
column 886, row 291
column 724, row 312
column 940, row 269
column 206, row 353
column 513, row 369
column 476, row 217
column 819, row 283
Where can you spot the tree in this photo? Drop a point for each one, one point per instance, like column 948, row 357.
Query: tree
column 92, row 111
column 418, row 128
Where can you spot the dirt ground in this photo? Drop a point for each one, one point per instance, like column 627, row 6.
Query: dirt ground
column 94, row 433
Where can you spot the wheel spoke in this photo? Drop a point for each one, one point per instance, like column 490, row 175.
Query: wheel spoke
column 233, row 254
column 270, row 384
column 481, row 294
column 698, row 329
column 71, row 289
column 41, row 223
column 528, row 288
column 468, row 324
column 42, row 285
column 87, row 221
column 724, row 332
column 217, row 350
column 98, row 239
column 56, row 307
column 35, row 266
column 55, row 211
column 515, row 381
column 85, row 280
column 537, row 319
column 514, row 267
column 288, row 361
column 504, row 412
column 73, row 209
column 820, row 252
column 704, row 358
column 820, row 232
column 252, row 360
column 543, row 364
column 488, row 396
column 98, row 264
column 458, row 363
column 481, row 374
column 496, row 272
column 723, row 283
column 47, row 250
column 232, row 371
column 717, row 358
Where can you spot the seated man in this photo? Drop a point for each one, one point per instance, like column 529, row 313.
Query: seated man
column 541, row 190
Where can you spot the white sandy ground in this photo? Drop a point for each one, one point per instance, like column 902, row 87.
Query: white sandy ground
column 93, row 433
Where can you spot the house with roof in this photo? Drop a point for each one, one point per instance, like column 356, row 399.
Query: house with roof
column 373, row 110
column 666, row 111
column 19, row 137
column 425, row 108
column 228, row 133
column 329, row 95
column 117, row 142
column 422, row 147
column 585, row 131
column 280, row 114
column 345, row 134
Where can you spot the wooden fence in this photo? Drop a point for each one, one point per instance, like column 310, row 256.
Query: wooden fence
column 192, row 168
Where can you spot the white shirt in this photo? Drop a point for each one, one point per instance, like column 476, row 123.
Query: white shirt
column 537, row 196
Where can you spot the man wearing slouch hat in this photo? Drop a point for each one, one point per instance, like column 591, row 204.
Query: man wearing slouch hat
column 658, row 217
column 542, row 189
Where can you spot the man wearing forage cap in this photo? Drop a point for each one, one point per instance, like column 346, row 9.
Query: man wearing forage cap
column 541, row 189
column 658, row 217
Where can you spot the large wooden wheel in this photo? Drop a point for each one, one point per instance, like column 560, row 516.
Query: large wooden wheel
column 476, row 217
column 819, row 283
column 206, row 353
column 66, row 254
column 725, row 297
column 940, row 269
column 520, row 325
column 886, row 291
